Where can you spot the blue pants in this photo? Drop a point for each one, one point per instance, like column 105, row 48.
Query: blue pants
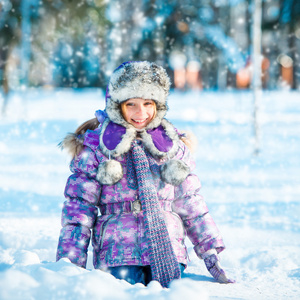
column 135, row 274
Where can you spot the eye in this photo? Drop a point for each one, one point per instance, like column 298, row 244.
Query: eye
column 148, row 103
column 129, row 104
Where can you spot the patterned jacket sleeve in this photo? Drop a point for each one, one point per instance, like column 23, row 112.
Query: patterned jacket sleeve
column 191, row 207
column 79, row 211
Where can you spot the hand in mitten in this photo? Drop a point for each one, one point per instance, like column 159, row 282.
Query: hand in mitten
column 215, row 269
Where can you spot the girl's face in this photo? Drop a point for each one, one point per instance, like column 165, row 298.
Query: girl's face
column 138, row 112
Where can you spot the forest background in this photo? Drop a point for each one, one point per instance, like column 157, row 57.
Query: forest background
column 205, row 45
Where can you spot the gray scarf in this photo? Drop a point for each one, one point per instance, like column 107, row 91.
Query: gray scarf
column 163, row 262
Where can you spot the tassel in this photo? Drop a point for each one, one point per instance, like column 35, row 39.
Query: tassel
column 109, row 172
column 174, row 172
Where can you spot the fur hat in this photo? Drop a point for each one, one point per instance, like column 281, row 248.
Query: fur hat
column 138, row 79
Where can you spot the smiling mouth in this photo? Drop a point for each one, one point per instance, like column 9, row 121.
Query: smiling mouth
column 139, row 121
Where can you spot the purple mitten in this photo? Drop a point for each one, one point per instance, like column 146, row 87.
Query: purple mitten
column 215, row 269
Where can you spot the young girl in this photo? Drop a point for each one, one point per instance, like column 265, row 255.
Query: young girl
column 132, row 165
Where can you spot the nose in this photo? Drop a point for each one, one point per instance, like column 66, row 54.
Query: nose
column 140, row 109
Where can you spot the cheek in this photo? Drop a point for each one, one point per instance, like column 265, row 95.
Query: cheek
column 126, row 115
column 151, row 112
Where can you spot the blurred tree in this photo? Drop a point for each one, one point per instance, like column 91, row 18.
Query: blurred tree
column 75, row 42
column 10, row 20
column 123, row 37
column 54, row 24
column 290, row 45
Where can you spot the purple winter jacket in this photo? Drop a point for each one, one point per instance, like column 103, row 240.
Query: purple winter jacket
column 118, row 234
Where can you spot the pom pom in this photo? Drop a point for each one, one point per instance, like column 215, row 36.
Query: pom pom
column 174, row 172
column 109, row 172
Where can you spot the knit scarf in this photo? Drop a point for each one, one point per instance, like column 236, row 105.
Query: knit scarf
column 163, row 262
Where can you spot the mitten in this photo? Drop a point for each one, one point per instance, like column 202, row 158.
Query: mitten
column 213, row 266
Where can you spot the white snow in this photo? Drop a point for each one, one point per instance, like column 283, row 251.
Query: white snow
column 255, row 200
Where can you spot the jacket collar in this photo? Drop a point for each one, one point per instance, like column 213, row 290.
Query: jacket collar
column 161, row 142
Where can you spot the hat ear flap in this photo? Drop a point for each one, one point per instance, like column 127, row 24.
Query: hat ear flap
column 109, row 172
column 174, row 172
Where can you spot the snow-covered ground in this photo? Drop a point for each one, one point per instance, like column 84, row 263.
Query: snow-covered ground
column 255, row 200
